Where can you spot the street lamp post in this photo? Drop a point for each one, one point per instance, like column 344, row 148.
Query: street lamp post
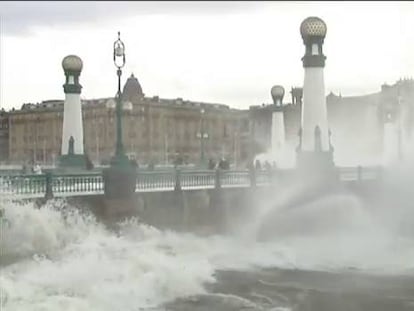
column 236, row 147
column 202, row 135
column 120, row 157
column 399, row 109
column 44, row 151
column 97, row 128
column 119, row 178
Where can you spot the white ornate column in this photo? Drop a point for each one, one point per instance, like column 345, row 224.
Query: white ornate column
column 314, row 147
column 278, row 122
column 72, row 115
column 72, row 152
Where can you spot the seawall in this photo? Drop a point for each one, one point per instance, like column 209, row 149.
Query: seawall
column 212, row 210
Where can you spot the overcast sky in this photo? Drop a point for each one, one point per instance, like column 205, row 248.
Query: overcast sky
column 222, row 52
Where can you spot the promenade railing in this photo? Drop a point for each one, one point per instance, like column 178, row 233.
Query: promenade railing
column 148, row 181
column 60, row 185
column 72, row 184
column 199, row 179
column 23, row 185
column 41, row 185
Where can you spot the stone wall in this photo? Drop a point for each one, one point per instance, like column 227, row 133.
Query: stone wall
column 213, row 211
column 202, row 211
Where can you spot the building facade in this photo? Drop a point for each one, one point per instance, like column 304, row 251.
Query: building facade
column 4, row 136
column 356, row 123
column 155, row 130
column 260, row 118
column 163, row 131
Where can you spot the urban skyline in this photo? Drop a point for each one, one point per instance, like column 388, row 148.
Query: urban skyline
column 171, row 59
column 197, row 187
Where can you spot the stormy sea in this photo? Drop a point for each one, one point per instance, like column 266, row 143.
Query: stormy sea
column 336, row 253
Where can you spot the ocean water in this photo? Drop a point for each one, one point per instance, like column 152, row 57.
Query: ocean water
column 59, row 258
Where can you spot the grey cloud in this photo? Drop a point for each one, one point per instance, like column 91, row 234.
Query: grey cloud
column 18, row 17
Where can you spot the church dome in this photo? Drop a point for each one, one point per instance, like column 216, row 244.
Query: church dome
column 72, row 63
column 132, row 90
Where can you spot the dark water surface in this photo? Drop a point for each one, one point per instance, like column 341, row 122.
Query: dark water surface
column 295, row 290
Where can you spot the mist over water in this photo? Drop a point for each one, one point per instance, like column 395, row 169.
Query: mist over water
column 391, row 145
column 58, row 257
column 64, row 260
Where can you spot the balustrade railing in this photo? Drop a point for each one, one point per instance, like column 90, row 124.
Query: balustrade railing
column 68, row 184
column 235, row 179
column 359, row 173
column 155, row 181
column 197, row 179
column 263, row 177
column 32, row 185
column 83, row 184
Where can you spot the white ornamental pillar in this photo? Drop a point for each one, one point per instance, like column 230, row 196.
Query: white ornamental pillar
column 314, row 143
column 72, row 115
column 392, row 139
column 278, row 122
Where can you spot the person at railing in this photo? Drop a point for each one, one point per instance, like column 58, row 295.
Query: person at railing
column 71, row 145
column 37, row 169
column 224, row 164
column 257, row 165
column 134, row 163
column 267, row 166
column 24, row 169
column 178, row 161
column 89, row 164
column 211, row 164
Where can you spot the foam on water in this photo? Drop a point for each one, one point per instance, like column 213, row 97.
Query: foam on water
column 63, row 259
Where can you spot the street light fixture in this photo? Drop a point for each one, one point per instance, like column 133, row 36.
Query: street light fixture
column 202, row 135
column 400, row 151
column 120, row 157
column 119, row 178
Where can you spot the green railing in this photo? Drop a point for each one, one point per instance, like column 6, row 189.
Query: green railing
column 359, row 173
column 155, row 181
column 195, row 179
column 49, row 185
column 263, row 177
column 68, row 184
column 30, row 185
column 235, row 179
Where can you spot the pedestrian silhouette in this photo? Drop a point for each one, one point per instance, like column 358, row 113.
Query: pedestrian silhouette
column 71, row 145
